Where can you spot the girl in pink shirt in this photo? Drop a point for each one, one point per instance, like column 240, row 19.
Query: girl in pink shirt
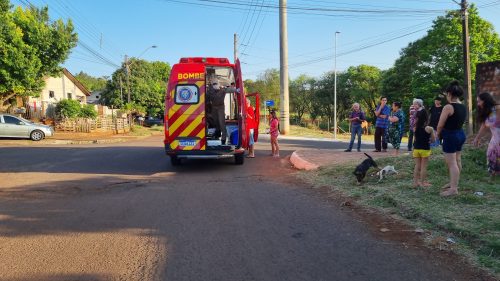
column 274, row 131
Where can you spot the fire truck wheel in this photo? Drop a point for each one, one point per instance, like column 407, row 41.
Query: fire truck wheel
column 239, row 159
column 175, row 161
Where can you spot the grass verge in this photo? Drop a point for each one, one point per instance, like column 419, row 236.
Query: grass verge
column 140, row 131
column 473, row 221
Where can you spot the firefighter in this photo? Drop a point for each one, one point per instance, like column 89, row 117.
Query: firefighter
column 216, row 95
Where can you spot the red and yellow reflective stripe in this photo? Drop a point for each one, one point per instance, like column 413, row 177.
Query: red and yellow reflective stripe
column 187, row 121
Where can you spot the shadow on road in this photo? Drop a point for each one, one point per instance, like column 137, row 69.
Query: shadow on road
column 123, row 160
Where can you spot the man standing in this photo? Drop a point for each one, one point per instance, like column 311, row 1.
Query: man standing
column 216, row 96
column 382, row 112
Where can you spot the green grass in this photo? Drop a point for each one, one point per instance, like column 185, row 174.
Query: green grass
column 140, row 131
column 474, row 221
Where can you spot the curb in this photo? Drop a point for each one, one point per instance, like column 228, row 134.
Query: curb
column 301, row 164
column 97, row 141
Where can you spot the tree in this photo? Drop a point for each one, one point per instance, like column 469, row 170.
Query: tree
column 147, row 87
column 267, row 84
column 90, row 82
column 32, row 48
column 362, row 84
column 428, row 64
column 301, row 91
column 323, row 98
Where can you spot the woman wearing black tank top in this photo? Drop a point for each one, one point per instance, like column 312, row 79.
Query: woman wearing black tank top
column 450, row 131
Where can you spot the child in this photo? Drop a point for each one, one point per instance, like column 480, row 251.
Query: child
column 424, row 135
column 274, row 131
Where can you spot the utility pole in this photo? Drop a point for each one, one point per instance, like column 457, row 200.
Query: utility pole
column 127, row 70
column 335, row 90
column 284, row 106
column 467, row 77
column 121, row 89
column 235, row 47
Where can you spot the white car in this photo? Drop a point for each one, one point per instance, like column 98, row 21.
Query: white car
column 16, row 127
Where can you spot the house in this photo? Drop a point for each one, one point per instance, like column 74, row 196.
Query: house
column 94, row 97
column 65, row 86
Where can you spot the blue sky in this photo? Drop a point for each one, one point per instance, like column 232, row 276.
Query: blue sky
column 111, row 29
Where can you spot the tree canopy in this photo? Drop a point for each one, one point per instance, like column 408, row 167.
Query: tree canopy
column 147, row 86
column 426, row 65
column 31, row 48
column 90, row 82
column 267, row 84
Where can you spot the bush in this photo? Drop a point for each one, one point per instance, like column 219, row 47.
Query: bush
column 88, row 111
column 68, row 108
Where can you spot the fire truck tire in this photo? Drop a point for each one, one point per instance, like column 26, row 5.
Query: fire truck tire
column 239, row 159
column 175, row 161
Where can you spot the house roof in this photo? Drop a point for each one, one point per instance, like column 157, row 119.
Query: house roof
column 77, row 83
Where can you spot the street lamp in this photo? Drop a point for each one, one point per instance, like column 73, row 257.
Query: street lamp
column 335, row 90
column 127, row 69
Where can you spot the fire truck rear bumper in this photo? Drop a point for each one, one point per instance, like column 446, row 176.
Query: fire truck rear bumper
column 204, row 154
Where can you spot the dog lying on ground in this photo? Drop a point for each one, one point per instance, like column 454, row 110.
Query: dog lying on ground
column 387, row 170
column 361, row 169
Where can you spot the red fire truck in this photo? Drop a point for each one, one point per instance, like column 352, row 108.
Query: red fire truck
column 190, row 132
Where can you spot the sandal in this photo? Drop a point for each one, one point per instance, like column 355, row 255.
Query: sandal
column 248, row 156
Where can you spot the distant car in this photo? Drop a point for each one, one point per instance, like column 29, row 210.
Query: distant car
column 151, row 121
column 16, row 127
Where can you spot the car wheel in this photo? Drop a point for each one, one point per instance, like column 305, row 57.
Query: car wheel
column 239, row 159
column 174, row 160
column 37, row 135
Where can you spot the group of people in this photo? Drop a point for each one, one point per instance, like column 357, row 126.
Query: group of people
column 442, row 125
column 389, row 125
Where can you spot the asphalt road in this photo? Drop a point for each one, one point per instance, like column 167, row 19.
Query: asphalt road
column 121, row 212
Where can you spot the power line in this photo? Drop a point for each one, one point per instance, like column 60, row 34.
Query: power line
column 81, row 43
column 317, row 11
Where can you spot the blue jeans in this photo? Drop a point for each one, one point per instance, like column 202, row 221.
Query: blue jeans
column 355, row 130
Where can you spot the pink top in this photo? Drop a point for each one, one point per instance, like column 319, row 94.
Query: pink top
column 274, row 127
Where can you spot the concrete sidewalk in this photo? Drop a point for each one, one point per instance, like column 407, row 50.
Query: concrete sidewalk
column 310, row 159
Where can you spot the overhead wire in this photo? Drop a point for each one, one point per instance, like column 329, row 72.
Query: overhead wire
column 81, row 43
column 248, row 44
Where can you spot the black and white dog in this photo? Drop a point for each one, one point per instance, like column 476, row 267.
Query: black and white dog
column 387, row 170
column 361, row 169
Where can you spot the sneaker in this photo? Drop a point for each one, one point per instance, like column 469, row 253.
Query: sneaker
column 359, row 150
column 347, row 150
column 376, row 150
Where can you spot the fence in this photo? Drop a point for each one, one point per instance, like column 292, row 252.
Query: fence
column 84, row 125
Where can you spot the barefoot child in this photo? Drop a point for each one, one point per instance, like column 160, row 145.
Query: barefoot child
column 274, row 131
column 424, row 136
